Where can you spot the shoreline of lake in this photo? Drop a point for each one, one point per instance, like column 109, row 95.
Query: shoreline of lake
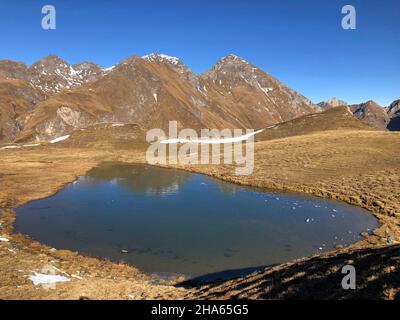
column 48, row 170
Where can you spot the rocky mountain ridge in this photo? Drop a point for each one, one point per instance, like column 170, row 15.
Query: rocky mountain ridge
column 52, row 98
column 332, row 103
column 150, row 91
column 52, row 74
column 371, row 113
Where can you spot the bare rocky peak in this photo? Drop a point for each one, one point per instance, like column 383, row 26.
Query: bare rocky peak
column 50, row 64
column 232, row 67
column 230, row 61
column 332, row 103
column 159, row 57
column 371, row 113
column 175, row 63
column 51, row 74
column 233, row 71
column 369, row 106
column 129, row 67
column 88, row 70
column 394, row 108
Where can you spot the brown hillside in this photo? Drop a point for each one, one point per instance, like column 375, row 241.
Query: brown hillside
column 17, row 98
column 339, row 118
column 106, row 135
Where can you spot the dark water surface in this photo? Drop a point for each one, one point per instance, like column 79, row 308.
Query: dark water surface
column 163, row 220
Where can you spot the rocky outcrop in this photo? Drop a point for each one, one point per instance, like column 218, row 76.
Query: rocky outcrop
column 372, row 114
column 332, row 103
column 394, row 114
column 52, row 74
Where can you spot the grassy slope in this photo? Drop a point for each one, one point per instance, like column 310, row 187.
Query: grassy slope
column 17, row 98
column 339, row 118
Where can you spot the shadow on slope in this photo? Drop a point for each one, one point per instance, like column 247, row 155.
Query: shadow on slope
column 220, row 276
column 394, row 124
column 317, row 277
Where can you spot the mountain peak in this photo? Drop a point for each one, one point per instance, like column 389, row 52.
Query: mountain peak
column 50, row 64
column 53, row 74
column 231, row 58
column 175, row 63
column 335, row 100
column 50, row 59
column 86, row 64
column 332, row 103
column 371, row 103
column 394, row 107
column 160, row 57
column 372, row 114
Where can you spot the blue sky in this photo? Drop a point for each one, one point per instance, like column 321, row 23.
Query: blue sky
column 300, row 42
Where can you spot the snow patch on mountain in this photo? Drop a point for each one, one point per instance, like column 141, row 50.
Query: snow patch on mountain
column 60, row 139
column 159, row 57
column 213, row 141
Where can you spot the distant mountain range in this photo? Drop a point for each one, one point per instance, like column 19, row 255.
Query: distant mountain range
column 371, row 113
column 53, row 98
